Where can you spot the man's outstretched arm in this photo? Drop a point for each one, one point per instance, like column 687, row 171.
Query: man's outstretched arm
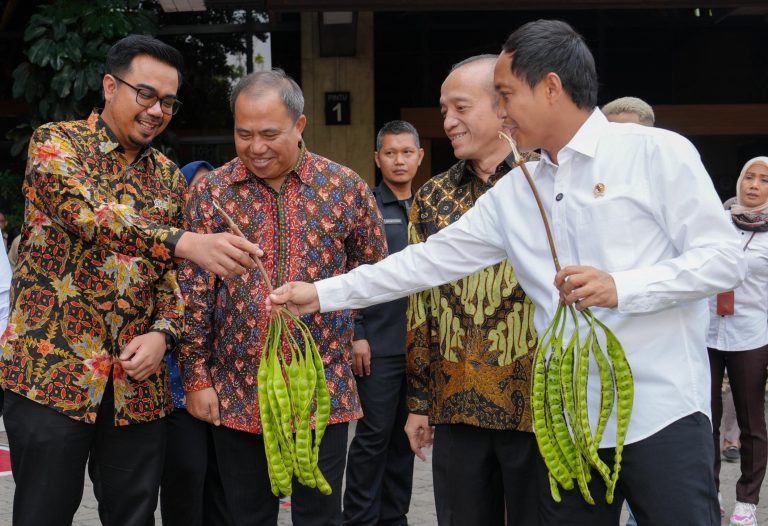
column 470, row 244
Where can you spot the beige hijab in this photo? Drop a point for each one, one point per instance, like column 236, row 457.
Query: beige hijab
column 738, row 208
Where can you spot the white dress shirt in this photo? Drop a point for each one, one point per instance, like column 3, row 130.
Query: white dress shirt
column 657, row 227
column 747, row 329
column 5, row 288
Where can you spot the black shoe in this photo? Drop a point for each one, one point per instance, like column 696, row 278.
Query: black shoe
column 731, row 454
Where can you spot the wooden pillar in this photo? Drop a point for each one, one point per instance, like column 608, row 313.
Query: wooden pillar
column 350, row 144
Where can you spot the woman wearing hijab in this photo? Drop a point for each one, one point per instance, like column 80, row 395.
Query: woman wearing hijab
column 738, row 340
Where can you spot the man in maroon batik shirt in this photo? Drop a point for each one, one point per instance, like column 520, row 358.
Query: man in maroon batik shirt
column 314, row 219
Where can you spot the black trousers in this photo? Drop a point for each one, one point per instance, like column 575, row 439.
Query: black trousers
column 191, row 493
column 747, row 376
column 49, row 453
column 477, row 473
column 380, row 460
column 243, row 468
column 667, row 479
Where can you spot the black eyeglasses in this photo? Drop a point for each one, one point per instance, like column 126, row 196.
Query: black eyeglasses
column 147, row 98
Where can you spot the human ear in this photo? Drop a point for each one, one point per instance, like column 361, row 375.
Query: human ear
column 301, row 122
column 109, row 85
column 553, row 86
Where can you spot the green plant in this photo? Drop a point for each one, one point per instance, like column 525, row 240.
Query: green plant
column 11, row 199
column 66, row 43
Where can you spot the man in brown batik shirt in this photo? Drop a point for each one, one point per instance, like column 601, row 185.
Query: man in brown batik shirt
column 470, row 342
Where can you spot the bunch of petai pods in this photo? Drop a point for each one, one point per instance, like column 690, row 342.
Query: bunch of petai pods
column 559, row 391
column 289, row 390
column 559, row 401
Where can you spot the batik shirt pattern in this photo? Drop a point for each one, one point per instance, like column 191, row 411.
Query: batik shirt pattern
column 95, row 270
column 323, row 222
column 470, row 342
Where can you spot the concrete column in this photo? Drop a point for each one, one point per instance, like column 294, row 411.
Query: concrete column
column 352, row 144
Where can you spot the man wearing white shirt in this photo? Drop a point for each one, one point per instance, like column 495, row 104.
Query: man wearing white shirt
column 642, row 240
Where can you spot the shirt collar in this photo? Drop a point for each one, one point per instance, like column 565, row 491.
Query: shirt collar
column 302, row 169
column 462, row 172
column 586, row 138
column 97, row 125
column 303, row 166
column 387, row 196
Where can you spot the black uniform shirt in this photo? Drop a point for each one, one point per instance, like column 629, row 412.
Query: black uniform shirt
column 384, row 325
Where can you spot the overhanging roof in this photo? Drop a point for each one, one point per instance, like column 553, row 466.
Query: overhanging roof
column 176, row 6
column 756, row 6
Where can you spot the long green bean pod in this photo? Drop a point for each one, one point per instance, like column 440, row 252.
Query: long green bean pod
column 567, row 382
column 322, row 414
column 555, row 402
column 550, row 452
column 569, row 444
column 280, row 480
column 607, row 384
column 582, row 409
column 303, row 407
column 625, row 396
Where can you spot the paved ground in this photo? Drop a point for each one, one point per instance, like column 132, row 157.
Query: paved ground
column 422, row 505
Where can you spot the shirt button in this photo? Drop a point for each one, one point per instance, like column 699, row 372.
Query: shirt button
column 559, row 197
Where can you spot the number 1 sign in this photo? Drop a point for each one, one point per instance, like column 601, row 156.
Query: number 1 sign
column 337, row 108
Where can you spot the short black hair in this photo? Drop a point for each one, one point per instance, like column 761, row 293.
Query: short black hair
column 122, row 53
column 260, row 82
column 552, row 46
column 396, row 128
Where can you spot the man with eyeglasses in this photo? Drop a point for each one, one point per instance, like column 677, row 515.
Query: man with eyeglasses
column 95, row 303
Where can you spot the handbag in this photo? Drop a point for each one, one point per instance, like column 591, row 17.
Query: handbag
column 725, row 300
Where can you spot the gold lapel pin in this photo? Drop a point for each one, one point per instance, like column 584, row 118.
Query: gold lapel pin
column 599, row 190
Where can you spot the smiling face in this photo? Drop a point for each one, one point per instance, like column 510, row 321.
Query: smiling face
column 753, row 190
column 134, row 125
column 524, row 110
column 266, row 137
column 468, row 106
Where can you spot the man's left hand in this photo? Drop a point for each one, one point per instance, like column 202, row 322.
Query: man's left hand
column 586, row 287
column 142, row 356
column 361, row 358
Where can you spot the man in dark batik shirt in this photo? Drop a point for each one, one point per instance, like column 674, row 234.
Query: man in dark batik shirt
column 470, row 342
column 95, row 303
column 314, row 219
